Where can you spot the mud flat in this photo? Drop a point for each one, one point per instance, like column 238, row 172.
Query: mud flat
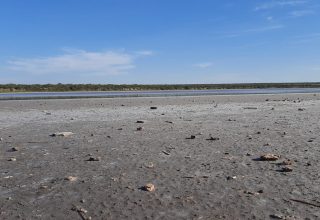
column 186, row 158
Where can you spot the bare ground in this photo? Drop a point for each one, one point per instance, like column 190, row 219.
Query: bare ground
column 214, row 175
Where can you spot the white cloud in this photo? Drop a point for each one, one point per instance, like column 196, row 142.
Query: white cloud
column 301, row 13
column 203, row 65
column 254, row 30
column 144, row 53
column 280, row 3
column 77, row 62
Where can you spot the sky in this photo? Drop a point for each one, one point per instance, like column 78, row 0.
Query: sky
column 159, row 41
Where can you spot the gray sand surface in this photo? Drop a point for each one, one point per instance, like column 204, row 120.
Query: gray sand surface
column 194, row 178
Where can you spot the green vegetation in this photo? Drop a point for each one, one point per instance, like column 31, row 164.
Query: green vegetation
column 135, row 87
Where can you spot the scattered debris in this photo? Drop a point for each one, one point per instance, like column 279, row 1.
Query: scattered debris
column 304, row 202
column 165, row 152
column 149, row 187
column 269, row 157
column 153, row 107
column 82, row 212
column 7, row 177
column 251, row 193
column 94, row 159
column 62, row 134
column 71, row 178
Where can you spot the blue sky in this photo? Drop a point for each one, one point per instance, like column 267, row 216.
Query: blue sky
column 159, row 41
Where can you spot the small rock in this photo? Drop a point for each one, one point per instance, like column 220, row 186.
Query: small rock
column 149, row 187
column 286, row 162
column 231, row 177
column 153, row 107
column 301, row 109
column 269, row 157
column 1, row 139
column 12, row 159
column 14, row 149
column 149, row 165
column 276, row 216
column 62, row 134
column 260, row 191
column 248, row 154
column 213, row 139
column 287, row 169
column 259, row 132
column 139, row 128
column 94, row 159
column 140, row 122
column 170, row 122
column 192, row 137
column 71, row 178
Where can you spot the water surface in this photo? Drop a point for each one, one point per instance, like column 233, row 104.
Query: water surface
column 59, row 95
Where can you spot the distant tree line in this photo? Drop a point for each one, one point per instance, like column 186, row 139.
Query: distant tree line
column 135, row 87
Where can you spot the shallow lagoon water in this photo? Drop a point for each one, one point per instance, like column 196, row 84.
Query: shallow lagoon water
column 113, row 94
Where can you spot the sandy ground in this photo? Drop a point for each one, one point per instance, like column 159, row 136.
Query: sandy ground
column 45, row 177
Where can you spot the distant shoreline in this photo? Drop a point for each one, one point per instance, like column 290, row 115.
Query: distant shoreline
column 21, row 88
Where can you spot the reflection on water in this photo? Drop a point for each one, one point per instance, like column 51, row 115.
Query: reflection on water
column 47, row 95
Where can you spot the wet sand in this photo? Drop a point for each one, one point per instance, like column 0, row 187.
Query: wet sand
column 200, row 153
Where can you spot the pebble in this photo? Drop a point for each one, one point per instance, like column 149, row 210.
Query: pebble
column 62, row 134
column 13, row 149
column 213, row 139
column 287, row 169
column 94, row 159
column 71, row 178
column 149, row 165
column 269, row 157
column 12, row 159
column 231, row 177
column 149, row 187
